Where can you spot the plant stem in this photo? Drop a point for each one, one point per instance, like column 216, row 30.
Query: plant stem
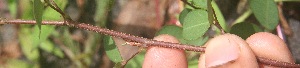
column 146, row 42
column 127, row 37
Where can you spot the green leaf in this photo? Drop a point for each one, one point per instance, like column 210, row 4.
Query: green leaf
column 136, row 61
column 195, row 24
column 192, row 60
column 12, row 6
column 27, row 47
column 111, row 49
column 118, row 65
column 51, row 14
column 173, row 30
column 266, row 12
column 183, row 14
column 38, row 12
column 48, row 29
column 210, row 12
column 200, row 3
column 219, row 16
column 14, row 63
column 102, row 9
column 244, row 30
column 27, row 12
column 198, row 42
column 50, row 48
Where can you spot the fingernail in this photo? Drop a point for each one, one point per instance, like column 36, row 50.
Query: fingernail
column 222, row 53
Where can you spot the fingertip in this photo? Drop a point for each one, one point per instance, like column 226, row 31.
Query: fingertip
column 158, row 57
column 270, row 46
column 228, row 50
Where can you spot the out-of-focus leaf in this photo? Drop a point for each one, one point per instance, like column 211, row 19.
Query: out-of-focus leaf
column 51, row 14
column 103, row 7
column 48, row 29
column 219, row 16
column 13, row 63
column 193, row 62
column 200, row 3
column 183, row 14
column 12, row 6
column 195, row 24
column 111, row 49
column 26, row 42
column 38, row 8
column 266, row 12
column 243, row 17
column 136, row 61
column 244, row 30
column 27, row 12
column 69, row 42
column 49, row 47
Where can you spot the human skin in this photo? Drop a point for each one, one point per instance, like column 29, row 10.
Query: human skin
column 269, row 46
column 227, row 50
column 224, row 51
column 159, row 57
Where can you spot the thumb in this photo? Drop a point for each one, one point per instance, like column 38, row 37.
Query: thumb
column 228, row 51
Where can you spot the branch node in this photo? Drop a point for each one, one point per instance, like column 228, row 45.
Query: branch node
column 2, row 21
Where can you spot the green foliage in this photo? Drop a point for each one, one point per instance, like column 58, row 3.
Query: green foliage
column 266, row 12
column 12, row 5
column 38, row 12
column 200, row 3
column 50, row 48
column 244, row 30
column 30, row 37
column 111, row 49
column 176, row 31
column 195, row 24
column 183, row 14
column 103, row 7
column 13, row 63
column 219, row 16
column 27, row 46
column 198, row 42
column 136, row 61
column 173, row 30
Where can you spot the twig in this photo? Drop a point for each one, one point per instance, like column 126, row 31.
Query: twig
column 287, row 30
column 185, row 1
column 130, row 38
column 127, row 37
column 276, row 63
column 216, row 22
column 146, row 42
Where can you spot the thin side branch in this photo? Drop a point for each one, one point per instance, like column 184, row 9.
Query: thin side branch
column 186, row 2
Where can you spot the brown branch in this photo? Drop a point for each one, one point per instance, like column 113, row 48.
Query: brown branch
column 127, row 37
column 217, row 23
column 130, row 38
column 146, row 42
column 287, row 30
column 276, row 63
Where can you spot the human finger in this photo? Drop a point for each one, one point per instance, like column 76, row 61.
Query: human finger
column 268, row 45
column 229, row 51
column 159, row 57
